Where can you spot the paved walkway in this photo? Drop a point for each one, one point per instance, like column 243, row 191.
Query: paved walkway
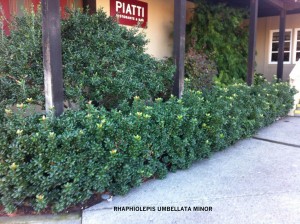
column 255, row 181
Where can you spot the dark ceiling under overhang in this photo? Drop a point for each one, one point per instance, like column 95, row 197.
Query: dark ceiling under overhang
column 266, row 7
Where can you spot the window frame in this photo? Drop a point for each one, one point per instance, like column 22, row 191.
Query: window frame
column 270, row 47
column 295, row 45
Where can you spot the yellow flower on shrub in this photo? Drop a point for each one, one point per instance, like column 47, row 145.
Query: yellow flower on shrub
column 52, row 135
column 40, row 197
column 8, row 111
column 158, row 99
column 139, row 114
column 19, row 132
column 137, row 137
column 147, row 116
column 88, row 116
column 29, row 100
column 13, row 166
column 20, row 105
column 179, row 117
column 114, row 151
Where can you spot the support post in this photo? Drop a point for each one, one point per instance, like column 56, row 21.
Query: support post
column 52, row 57
column 281, row 45
column 179, row 45
column 90, row 5
column 252, row 40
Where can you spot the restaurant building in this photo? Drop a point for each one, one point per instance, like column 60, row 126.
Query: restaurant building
column 274, row 29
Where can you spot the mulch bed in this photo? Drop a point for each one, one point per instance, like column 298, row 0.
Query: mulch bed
column 28, row 210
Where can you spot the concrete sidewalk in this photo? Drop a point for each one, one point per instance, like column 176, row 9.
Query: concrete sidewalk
column 255, row 181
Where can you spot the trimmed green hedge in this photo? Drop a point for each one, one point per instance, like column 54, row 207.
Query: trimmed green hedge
column 62, row 161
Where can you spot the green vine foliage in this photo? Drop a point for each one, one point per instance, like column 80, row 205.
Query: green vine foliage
column 220, row 32
column 200, row 71
column 102, row 61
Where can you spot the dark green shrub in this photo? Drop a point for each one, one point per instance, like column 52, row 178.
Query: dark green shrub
column 200, row 70
column 102, row 61
column 57, row 162
column 220, row 32
column 21, row 68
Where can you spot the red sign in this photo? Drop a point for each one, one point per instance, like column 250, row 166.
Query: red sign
column 130, row 12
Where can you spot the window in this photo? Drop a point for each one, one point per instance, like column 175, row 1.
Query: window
column 297, row 46
column 275, row 45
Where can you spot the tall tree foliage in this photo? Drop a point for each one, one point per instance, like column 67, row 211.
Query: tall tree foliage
column 221, row 32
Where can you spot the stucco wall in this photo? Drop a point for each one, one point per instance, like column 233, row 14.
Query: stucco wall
column 160, row 25
column 264, row 26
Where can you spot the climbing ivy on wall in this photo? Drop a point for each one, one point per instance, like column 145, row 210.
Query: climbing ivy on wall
column 221, row 32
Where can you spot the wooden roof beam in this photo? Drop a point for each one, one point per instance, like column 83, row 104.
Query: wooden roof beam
column 293, row 7
column 277, row 3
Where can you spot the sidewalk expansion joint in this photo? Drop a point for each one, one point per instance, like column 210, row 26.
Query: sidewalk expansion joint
column 276, row 142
